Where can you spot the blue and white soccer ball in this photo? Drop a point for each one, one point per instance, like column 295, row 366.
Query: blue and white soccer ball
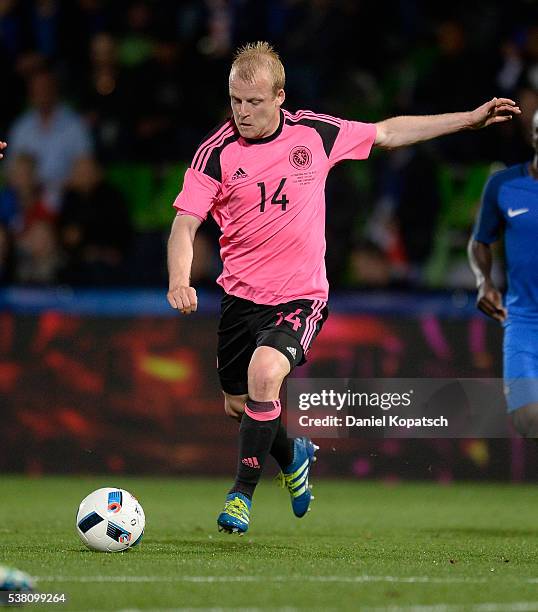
column 12, row 579
column 110, row 520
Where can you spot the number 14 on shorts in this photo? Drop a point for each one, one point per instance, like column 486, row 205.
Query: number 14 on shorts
column 291, row 318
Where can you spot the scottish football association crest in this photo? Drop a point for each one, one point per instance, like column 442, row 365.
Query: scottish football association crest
column 300, row 158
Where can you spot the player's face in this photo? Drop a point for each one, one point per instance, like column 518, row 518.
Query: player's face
column 255, row 107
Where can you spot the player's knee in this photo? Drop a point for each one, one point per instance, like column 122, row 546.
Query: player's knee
column 234, row 408
column 264, row 379
column 525, row 420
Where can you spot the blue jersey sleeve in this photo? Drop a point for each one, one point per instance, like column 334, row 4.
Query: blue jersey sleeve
column 490, row 220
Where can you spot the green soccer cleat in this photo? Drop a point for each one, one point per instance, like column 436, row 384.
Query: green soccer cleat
column 295, row 476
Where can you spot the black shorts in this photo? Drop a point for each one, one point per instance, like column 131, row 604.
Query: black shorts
column 290, row 328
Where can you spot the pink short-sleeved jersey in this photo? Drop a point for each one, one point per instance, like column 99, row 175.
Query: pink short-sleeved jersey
column 268, row 198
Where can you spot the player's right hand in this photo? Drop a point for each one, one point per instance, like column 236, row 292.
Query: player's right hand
column 183, row 298
column 490, row 301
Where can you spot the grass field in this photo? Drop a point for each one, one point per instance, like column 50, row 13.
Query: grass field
column 364, row 546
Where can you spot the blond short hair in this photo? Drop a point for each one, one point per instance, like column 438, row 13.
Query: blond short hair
column 252, row 57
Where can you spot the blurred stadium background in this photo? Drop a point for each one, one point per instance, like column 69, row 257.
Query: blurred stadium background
column 97, row 374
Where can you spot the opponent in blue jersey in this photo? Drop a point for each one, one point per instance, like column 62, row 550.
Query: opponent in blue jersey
column 510, row 208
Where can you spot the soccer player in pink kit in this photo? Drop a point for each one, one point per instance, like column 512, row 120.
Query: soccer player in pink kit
column 261, row 175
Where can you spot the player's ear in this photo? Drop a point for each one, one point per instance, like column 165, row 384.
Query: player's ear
column 280, row 97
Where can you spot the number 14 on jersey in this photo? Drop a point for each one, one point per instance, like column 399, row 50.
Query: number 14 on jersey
column 283, row 200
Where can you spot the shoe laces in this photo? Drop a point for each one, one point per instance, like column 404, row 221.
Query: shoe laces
column 284, row 480
column 237, row 508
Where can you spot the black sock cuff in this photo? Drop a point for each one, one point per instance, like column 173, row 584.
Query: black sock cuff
column 263, row 411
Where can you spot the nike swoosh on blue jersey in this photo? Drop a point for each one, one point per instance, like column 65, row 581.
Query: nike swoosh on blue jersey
column 517, row 211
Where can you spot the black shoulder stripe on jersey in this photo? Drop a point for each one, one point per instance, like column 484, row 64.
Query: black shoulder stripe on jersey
column 327, row 131
column 208, row 140
column 213, row 168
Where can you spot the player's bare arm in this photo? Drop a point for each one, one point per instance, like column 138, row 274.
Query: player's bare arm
column 3, row 145
column 180, row 252
column 407, row 130
column 489, row 299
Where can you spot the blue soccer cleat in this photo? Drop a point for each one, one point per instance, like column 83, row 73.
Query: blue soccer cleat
column 295, row 476
column 236, row 514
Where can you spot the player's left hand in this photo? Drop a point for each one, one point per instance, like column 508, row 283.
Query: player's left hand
column 3, row 145
column 497, row 110
column 490, row 301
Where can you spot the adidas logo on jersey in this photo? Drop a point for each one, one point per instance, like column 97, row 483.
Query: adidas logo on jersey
column 239, row 174
column 292, row 350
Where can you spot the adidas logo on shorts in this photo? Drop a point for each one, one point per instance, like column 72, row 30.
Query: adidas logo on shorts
column 292, row 350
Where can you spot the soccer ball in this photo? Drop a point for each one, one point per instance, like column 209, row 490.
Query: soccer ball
column 110, row 520
column 12, row 579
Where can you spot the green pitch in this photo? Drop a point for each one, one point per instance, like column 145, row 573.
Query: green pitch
column 364, row 546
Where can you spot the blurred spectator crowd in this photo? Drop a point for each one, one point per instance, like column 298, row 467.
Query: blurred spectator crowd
column 104, row 103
